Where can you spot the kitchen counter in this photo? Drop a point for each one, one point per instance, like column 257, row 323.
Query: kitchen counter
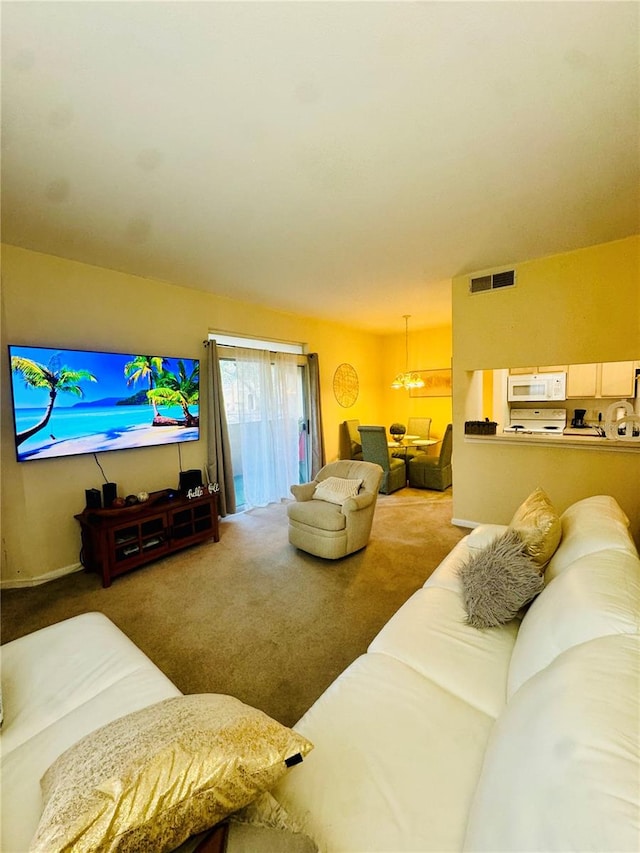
column 583, row 442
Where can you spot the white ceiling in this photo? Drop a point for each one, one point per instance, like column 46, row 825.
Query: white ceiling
column 338, row 159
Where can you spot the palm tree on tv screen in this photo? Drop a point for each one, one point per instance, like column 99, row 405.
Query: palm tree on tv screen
column 181, row 390
column 57, row 379
column 146, row 367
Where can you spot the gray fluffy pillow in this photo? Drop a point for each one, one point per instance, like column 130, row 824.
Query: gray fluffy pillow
column 498, row 580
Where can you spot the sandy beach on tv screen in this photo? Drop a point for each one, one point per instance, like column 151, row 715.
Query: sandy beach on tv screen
column 119, row 439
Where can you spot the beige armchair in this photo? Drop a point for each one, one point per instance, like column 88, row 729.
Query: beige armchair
column 332, row 530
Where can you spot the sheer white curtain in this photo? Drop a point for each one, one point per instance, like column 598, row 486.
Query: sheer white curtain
column 268, row 423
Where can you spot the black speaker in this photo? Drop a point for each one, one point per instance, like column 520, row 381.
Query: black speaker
column 190, row 479
column 94, row 499
column 109, row 493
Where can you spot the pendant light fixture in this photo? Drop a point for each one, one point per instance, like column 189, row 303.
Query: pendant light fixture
column 408, row 379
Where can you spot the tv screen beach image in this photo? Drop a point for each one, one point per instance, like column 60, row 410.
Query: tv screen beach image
column 67, row 402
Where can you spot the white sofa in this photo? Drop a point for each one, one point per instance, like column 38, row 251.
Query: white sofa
column 63, row 682
column 59, row 684
column 441, row 737
column 524, row 737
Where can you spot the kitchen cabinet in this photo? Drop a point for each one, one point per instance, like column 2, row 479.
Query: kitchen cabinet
column 608, row 379
column 582, row 380
column 541, row 368
column 618, row 379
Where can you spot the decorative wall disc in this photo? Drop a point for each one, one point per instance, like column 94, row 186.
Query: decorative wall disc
column 346, row 385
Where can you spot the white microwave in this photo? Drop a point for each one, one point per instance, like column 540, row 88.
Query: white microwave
column 537, row 388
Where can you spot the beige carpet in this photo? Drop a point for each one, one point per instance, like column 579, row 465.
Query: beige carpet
column 251, row 615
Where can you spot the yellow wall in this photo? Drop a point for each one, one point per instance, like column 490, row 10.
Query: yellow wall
column 577, row 307
column 583, row 306
column 429, row 349
column 50, row 301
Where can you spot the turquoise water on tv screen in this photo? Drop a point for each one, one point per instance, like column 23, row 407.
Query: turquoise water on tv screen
column 99, row 429
column 109, row 420
column 89, row 418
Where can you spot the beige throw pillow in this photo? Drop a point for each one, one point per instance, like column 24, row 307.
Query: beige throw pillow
column 150, row 779
column 336, row 490
column 539, row 527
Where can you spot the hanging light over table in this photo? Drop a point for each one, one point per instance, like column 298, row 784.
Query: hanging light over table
column 408, row 379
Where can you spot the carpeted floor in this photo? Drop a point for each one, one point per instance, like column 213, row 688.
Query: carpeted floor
column 251, row 615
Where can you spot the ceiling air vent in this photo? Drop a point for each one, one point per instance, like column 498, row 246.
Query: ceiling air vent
column 492, row 282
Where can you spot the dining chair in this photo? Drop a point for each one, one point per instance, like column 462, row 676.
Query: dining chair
column 433, row 472
column 419, row 426
column 375, row 449
column 415, row 426
column 349, row 440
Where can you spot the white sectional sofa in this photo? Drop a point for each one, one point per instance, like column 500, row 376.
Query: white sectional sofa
column 59, row 684
column 72, row 678
column 442, row 737
column 526, row 737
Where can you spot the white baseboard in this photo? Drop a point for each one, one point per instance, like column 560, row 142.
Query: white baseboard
column 56, row 573
column 462, row 522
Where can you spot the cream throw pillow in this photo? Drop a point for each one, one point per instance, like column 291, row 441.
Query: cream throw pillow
column 539, row 527
column 150, row 779
column 335, row 490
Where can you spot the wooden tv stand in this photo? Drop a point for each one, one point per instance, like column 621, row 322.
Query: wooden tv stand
column 117, row 540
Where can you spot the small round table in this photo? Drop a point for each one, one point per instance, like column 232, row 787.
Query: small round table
column 399, row 444
column 425, row 442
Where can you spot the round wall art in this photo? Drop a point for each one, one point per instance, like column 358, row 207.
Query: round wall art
column 346, row 385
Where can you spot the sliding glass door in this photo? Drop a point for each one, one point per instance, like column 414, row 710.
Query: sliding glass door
column 265, row 397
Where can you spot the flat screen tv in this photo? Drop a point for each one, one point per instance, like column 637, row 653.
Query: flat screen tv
column 67, row 402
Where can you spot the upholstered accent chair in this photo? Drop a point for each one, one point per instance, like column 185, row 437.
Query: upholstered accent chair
column 350, row 446
column 433, row 472
column 333, row 530
column 375, row 449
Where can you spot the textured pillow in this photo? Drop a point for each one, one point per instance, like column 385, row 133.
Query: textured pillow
column 539, row 526
column 150, row 779
column 483, row 535
column 335, row 490
column 498, row 581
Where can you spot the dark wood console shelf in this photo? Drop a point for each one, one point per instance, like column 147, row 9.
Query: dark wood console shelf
column 117, row 540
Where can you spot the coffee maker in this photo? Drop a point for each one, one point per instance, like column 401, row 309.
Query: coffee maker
column 578, row 419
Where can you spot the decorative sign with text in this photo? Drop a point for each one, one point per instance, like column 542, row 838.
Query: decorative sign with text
column 198, row 491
